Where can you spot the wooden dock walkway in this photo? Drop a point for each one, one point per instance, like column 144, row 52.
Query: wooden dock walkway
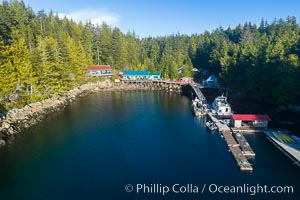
column 196, row 87
column 239, row 147
column 232, row 144
column 248, row 130
column 244, row 145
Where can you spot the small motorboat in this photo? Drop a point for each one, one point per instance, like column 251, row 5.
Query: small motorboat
column 197, row 108
column 211, row 125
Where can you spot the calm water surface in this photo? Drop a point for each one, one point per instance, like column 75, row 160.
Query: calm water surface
column 99, row 144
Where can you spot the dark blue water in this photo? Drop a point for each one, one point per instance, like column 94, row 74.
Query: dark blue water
column 101, row 143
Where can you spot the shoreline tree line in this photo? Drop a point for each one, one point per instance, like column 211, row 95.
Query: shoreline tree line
column 42, row 56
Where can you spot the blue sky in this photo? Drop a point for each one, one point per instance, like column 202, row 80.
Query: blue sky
column 165, row 17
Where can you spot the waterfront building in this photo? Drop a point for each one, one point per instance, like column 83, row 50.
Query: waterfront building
column 135, row 75
column 100, row 70
column 140, row 75
column 255, row 120
column 186, row 79
column 154, row 76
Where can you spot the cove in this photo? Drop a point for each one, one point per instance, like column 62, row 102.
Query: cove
column 100, row 143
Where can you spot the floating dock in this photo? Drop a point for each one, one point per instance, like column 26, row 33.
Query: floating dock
column 244, row 145
column 232, row 144
column 248, row 130
column 288, row 144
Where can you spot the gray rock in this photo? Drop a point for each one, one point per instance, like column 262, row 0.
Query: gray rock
column 11, row 131
column 5, row 125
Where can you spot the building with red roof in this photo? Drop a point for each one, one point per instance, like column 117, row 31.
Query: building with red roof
column 255, row 120
column 100, row 70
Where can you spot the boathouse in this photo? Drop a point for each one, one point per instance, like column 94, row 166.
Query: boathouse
column 254, row 120
column 100, row 70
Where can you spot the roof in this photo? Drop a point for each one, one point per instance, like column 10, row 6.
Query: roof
column 180, row 68
column 211, row 78
column 136, row 73
column 251, row 117
column 99, row 67
column 155, row 73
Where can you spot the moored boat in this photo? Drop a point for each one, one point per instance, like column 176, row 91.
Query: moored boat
column 211, row 125
column 221, row 106
column 198, row 108
column 198, row 111
column 289, row 144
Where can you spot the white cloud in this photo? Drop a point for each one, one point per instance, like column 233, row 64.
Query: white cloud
column 96, row 16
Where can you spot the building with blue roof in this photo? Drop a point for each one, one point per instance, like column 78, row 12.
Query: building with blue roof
column 211, row 81
column 141, row 75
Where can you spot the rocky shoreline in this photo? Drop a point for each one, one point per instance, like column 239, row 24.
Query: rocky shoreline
column 16, row 120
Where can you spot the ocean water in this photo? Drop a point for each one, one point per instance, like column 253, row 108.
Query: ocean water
column 137, row 145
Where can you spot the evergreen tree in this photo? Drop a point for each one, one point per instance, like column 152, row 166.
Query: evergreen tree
column 105, row 40
column 42, row 55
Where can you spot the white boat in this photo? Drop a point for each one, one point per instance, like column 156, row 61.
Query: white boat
column 211, row 125
column 221, row 106
column 198, row 108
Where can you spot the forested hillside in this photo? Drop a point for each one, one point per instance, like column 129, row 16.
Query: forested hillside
column 42, row 55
